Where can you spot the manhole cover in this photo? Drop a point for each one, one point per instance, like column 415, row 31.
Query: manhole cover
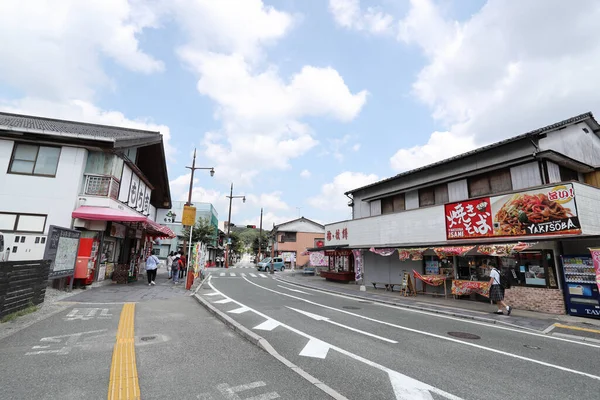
column 532, row 347
column 464, row 335
column 351, row 308
column 147, row 338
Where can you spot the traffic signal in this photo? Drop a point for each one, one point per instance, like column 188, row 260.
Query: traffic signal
column 251, row 226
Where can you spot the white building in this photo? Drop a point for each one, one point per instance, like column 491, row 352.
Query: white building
column 106, row 181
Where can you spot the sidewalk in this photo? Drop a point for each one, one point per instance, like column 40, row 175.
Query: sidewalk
column 564, row 325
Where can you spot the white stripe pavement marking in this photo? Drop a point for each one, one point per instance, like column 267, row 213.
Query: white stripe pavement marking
column 231, row 274
column 321, row 318
column 408, row 382
column 222, row 274
column 239, row 310
column 262, row 275
column 295, row 290
column 268, row 325
column 243, row 274
column 445, row 337
column 266, row 396
column 315, row 348
column 224, row 301
column 531, row 332
column 252, row 275
column 212, row 294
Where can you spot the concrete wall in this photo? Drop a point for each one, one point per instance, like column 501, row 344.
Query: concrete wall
column 587, row 199
column 55, row 197
column 574, row 142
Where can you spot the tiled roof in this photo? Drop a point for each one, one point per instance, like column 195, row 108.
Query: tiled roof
column 566, row 122
column 50, row 126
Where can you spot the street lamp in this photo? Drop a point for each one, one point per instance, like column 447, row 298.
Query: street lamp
column 193, row 168
column 230, row 197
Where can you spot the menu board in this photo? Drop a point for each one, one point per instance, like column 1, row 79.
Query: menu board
column 61, row 249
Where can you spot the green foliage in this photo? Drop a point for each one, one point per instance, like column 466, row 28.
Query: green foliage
column 20, row 313
column 203, row 232
column 237, row 245
column 264, row 242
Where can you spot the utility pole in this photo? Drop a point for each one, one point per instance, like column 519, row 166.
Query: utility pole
column 260, row 234
column 231, row 197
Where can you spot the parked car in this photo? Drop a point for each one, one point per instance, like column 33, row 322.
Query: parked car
column 265, row 265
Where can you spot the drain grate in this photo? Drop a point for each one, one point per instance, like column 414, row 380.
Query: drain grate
column 351, row 308
column 147, row 338
column 464, row 335
column 532, row 347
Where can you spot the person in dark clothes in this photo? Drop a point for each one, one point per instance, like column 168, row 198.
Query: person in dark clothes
column 183, row 270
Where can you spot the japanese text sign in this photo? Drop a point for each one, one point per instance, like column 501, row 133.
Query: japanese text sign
column 189, row 216
column 468, row 219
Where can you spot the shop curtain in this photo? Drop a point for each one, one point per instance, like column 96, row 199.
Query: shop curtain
column 596, row 258
column 413, row 254
column 443, row 252
column 382, row 252
column 503, row 250
column 522, row 246
column 432, row 280
column 318, row 259
column 358, row 264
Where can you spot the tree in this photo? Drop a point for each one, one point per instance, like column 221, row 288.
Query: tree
column 264, row 242
column 203, row 232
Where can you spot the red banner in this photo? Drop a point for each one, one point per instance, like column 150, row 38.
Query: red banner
column 462, row 288
column 469, row 219
column 443, row 252
column 432, row 280
column 596, row 258
column 413, row 254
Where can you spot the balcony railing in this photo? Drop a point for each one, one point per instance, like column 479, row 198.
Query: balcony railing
column 101, row 185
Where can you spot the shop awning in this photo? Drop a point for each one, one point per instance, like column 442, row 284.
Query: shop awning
column 341, row 246
column 106, row 214
column 110, row 214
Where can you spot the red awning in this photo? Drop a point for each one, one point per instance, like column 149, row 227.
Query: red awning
column 157, row 230
column 106, row 214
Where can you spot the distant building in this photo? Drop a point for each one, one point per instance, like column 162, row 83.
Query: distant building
column 294, row 237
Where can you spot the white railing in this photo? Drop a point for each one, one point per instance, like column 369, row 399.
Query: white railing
column 101, row 185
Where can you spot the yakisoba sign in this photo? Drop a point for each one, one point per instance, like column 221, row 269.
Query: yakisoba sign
column 543, row 211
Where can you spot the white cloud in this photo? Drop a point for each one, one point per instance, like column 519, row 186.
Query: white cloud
column 502, row 72
column 332, row 196
column 261, row 111
column 305, row 174
column 356, row 147
column 79, row 110
column 269, row 201
column 349, row 14
column 55, row 47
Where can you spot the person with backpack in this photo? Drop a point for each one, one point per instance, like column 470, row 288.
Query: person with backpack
column 175, row 266
column 498, row 283
column 151, row 266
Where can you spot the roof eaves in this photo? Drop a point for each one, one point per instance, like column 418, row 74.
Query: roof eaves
column 536, row 132
column 59, row 134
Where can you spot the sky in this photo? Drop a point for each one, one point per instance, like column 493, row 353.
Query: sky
column 297, row 101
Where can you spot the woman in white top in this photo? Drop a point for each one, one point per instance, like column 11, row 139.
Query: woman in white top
column 169, row 262
column 497, row 292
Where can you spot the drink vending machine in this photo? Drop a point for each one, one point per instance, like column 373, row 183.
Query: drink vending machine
column 581, row 287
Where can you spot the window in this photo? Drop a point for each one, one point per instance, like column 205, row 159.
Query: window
column 288, row 237
column 30, row 159
column 393, row 204
column 567, row 174
column 490, row 182
column 433, row 195
column 14, row 222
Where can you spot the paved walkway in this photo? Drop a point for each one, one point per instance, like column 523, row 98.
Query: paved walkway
column 482, row 311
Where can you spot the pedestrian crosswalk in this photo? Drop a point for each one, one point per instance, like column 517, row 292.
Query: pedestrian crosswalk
column 234, row 275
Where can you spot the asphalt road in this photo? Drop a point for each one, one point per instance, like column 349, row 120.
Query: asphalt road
column 366, row 350
column 182, row 352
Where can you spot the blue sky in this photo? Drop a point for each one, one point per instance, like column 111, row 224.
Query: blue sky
column 296, row 101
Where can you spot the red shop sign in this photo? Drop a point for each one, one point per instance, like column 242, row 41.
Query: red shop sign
column 469, row 219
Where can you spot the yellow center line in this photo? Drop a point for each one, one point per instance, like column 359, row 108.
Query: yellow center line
column 576, row 328
column 123, row 383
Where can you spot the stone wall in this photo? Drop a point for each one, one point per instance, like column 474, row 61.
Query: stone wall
column 533, row 299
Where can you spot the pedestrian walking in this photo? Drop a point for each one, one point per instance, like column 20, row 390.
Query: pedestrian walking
column 170, row 258
column 151, row 266
column 175, row 266
column 497, row 292
column 183, row 270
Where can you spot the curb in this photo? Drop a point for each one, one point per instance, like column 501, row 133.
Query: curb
column 263, row 344
column 409, row 306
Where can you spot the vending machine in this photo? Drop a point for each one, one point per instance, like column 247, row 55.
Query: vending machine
column 581, row 290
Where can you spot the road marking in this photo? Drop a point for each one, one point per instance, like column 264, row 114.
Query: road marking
column 222, row 274
column 253, row 275
column 584, row 338
column 294, row 290
column 521, row 330
column 67, row 346
column 450, row 339
column 407, row 381
column 262, row 275
column 230, row 393
column 576, row 328
column 123, row 383
column 243, row 274
column 268, row 325
column 224, row 301
column 211, row 294
column 321, row 318
column 239, row 310
column 85, row 314
column 315, row 348
column 232, row 274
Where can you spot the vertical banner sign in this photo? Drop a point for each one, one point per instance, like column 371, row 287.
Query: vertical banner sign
column 358, row 264
column 189, row 216
column 596, row 257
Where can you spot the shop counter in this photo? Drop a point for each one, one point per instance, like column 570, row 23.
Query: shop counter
column 464, row 288
column 345, row 276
